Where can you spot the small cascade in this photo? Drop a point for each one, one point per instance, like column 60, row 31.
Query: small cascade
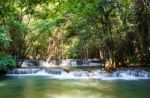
column 129, row 74
column 35, row 71
column 63, row 62
column 94, row 74
column 133, row 73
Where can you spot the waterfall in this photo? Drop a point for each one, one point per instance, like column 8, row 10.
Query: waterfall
column 63, row 62
column 79, row 74
column 35, row 71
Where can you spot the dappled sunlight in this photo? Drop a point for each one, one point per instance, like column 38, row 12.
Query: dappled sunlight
column 74, row 49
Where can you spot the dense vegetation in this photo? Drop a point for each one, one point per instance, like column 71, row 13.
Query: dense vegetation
column 115, row 31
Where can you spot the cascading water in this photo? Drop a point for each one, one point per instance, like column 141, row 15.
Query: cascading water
column 35, row 71
column 66, row 62
column 79, row 74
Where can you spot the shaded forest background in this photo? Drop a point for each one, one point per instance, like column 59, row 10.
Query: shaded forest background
column 115, row 31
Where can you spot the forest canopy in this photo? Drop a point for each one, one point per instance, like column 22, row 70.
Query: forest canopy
column 115, row 31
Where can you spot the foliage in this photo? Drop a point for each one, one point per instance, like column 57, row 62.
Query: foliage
column 111, row 30
column 6, row 63
column 4, row 39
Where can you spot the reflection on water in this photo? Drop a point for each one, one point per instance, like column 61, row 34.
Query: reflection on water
column 43, row 87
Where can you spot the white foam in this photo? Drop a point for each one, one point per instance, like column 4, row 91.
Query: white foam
column 78, row 74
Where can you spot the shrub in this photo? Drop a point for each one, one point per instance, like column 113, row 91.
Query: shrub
column 6, row 63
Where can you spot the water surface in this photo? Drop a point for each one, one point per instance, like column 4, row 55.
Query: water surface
column 44, row 87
